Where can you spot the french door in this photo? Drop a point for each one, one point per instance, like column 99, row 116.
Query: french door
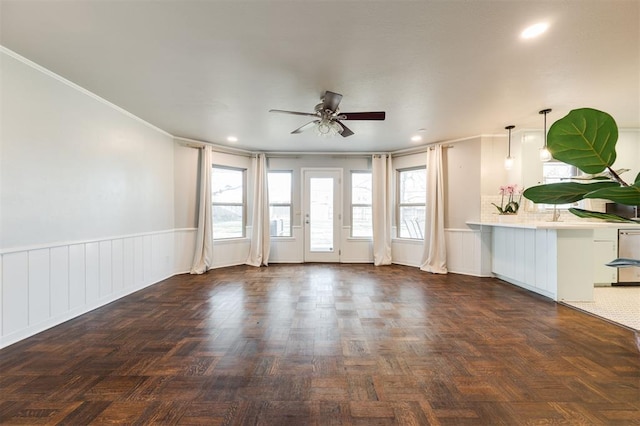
column 322, row 214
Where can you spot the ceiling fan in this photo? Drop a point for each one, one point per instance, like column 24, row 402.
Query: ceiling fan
column 328, row 116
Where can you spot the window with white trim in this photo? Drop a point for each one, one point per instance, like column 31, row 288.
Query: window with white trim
column 361, row 196
column 280, row 210
column 411, row 202
column 557, row 171
column 228, row 200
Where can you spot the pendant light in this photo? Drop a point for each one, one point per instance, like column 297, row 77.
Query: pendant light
column 508, row 162
column 545, row 155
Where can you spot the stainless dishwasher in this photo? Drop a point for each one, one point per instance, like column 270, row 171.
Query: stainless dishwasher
column 629, row 248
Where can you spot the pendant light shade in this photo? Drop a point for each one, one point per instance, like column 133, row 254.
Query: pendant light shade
column 508, row 162
column 545, row 155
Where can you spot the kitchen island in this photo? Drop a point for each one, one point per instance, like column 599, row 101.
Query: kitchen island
column 559, row 260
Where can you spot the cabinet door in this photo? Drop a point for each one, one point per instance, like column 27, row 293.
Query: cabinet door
column 604, row 252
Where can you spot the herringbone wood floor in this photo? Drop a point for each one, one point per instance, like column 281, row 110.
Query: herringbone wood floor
column 325, row 344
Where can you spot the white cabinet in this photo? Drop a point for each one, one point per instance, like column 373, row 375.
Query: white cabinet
column 605, row 249
column 562, row 261
column 603, row 252
column 522, row 257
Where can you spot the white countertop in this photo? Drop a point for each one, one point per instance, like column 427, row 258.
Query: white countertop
column 557, row 225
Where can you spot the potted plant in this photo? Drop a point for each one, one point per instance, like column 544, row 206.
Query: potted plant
column 514, row 197
column 586, row 138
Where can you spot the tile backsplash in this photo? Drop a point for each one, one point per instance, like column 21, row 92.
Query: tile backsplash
column 531, row 212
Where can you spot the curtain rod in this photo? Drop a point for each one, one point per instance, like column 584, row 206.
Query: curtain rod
column 327, row 154
column 191, row 143
column 418, row 151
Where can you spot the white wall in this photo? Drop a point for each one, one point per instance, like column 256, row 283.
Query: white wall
column 86, row 201
column 75, row 167
column 186, row 165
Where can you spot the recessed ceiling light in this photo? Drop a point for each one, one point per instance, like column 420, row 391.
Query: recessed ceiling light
column 232, row 139
column 416, row 138
column 534, row 30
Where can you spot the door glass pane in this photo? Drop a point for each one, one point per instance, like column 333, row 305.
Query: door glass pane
column 321, row 214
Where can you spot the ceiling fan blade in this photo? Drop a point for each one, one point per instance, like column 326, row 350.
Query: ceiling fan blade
column 309, row 114
column 331, row 100
column 305, row 127
column 373, row 115
column 345, row 130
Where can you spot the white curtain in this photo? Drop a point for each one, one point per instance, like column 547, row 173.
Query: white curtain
column 434, row 256
column 203, row 256
column 381, row 209
column 260, row 238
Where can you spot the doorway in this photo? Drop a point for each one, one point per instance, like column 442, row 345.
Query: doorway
column 322, row 214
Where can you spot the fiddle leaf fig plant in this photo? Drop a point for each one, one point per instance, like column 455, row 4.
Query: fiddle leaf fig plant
column 586, row 138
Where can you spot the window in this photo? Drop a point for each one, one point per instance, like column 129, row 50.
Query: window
column 361, row 193
column 228, row 202
column 412, row 196
column 556, row 171
column 280, row 189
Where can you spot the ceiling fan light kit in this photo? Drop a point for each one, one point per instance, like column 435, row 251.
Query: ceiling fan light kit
column 328, row 118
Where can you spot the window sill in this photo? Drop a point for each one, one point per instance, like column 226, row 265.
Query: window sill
column 407, row 241
column 283, row 239
column 361, row 239
column 224, row 241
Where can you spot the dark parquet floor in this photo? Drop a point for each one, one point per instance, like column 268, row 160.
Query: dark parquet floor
column 325, row 344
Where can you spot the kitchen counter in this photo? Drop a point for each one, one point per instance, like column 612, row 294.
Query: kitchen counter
column 560, row 260
column 558, row 225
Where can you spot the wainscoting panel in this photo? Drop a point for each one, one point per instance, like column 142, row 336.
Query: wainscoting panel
column 15, row 292
column 77, row 289
column 355, row 250
column 39, row 290
column 128, row 262
column 467, row 252
column 184, row 243
column 105, row 272
column 288, row 249
column 407, row 252
column 230, row 252
column 92, row 272
column 117, row 265
column 59, row 280
column 41, row 287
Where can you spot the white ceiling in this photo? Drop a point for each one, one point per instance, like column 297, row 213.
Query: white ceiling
column 209, row 69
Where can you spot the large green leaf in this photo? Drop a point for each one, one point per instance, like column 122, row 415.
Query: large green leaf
column 628, row 195
column 637, row 181
column 597, row 215
column 564, row 192
column 585, row 138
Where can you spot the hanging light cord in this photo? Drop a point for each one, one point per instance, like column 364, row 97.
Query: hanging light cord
column 545, row 112
column 509, row 128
